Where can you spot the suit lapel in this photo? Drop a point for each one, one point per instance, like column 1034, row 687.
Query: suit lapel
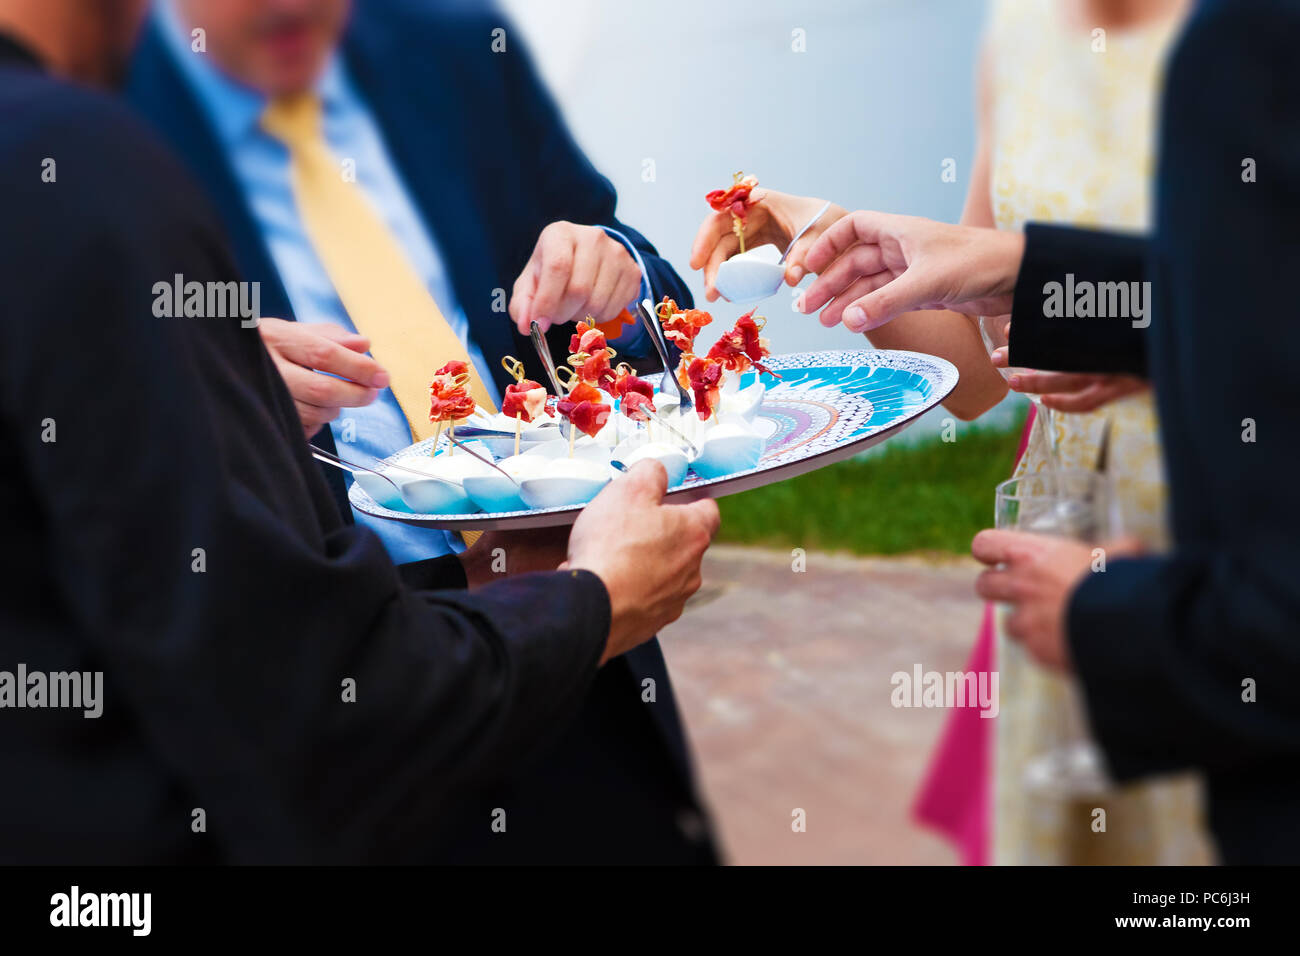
column 158, row 89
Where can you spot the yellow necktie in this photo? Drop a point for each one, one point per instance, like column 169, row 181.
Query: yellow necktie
column 383, row 294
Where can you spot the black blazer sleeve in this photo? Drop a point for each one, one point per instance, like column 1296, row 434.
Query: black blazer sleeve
column 273, row 659
column 1057, row 260
column 1194, row 659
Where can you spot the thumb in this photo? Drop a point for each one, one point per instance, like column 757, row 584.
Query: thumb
column 648, row 480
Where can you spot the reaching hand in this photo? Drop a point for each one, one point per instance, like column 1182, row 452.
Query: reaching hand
column 875, row 266
column 303, row 351
column 648, row 553
column 575, row 271
column 1072, row 391
column 775, row 218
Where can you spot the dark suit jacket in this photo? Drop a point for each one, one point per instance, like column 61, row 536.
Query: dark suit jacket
column 488, row 162
column 167, row 528
column 1193, row 659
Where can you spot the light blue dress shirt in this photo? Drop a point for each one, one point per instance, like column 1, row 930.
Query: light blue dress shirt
column 261, row 165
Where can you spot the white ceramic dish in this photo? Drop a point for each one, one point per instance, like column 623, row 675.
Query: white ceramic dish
column 674, row 460
column 753, row 276
column 564, row 482
column 727, row 449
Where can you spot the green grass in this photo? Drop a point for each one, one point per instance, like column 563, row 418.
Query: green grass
column 928, row 496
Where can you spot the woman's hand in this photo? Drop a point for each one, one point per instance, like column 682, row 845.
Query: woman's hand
column 872, row 267
column 775, row 217
column 1072, row 391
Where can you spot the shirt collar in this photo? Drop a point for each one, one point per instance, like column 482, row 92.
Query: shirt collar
column 234, row 108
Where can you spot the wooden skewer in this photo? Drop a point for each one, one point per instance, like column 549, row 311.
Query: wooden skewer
column 519, row 424
column 437, row 435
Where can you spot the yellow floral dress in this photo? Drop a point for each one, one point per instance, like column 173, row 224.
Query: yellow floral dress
column 1073, row 137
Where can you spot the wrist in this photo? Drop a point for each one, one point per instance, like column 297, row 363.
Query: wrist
column 1009, row 252
column 477, row 564
column 615, row 641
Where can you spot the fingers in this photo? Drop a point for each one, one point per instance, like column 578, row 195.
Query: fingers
column 727, row 247
column 1094, row 396
column 555, row 254
column 647, row 480
column 521, row 298
column 794, row 262
column 997, row 547
column 335, row 333
column 575, row 271
column 1047, row 383
column 713, row 230
column 628, row 290
column 315, row 351
column 617, row 282
column 995, row 585
column 314, row 418
column 706, row 513
column 324, row 391
column 861, row 287
column 895, row 295
column 855, row 228
column 1124, row 546
column 1085, row 400
column 832, row 282
column 582, row 277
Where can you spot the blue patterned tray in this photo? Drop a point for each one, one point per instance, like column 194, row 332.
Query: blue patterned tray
column 826, row 407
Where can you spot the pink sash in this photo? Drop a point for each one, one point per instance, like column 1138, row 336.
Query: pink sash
column 956, row 798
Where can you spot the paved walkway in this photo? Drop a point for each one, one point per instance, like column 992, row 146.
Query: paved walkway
column 784, row 682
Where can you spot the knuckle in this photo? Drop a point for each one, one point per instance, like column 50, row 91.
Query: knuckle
column 317, row 352
column 316, row 391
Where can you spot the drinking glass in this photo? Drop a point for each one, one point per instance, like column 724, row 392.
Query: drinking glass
column 1071, row 504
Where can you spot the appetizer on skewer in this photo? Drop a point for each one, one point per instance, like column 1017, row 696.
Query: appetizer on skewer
column 585, row 408
column 737, row 200
column 636, row 395
column 703, row 376
column 449, row 397
column 589, row 372
column 681, row 326
column 590, row 354
column 524, row 400
column 742, row 348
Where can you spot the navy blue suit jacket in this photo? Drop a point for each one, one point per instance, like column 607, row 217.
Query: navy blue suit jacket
column 1192, row 660
column 489, row 163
